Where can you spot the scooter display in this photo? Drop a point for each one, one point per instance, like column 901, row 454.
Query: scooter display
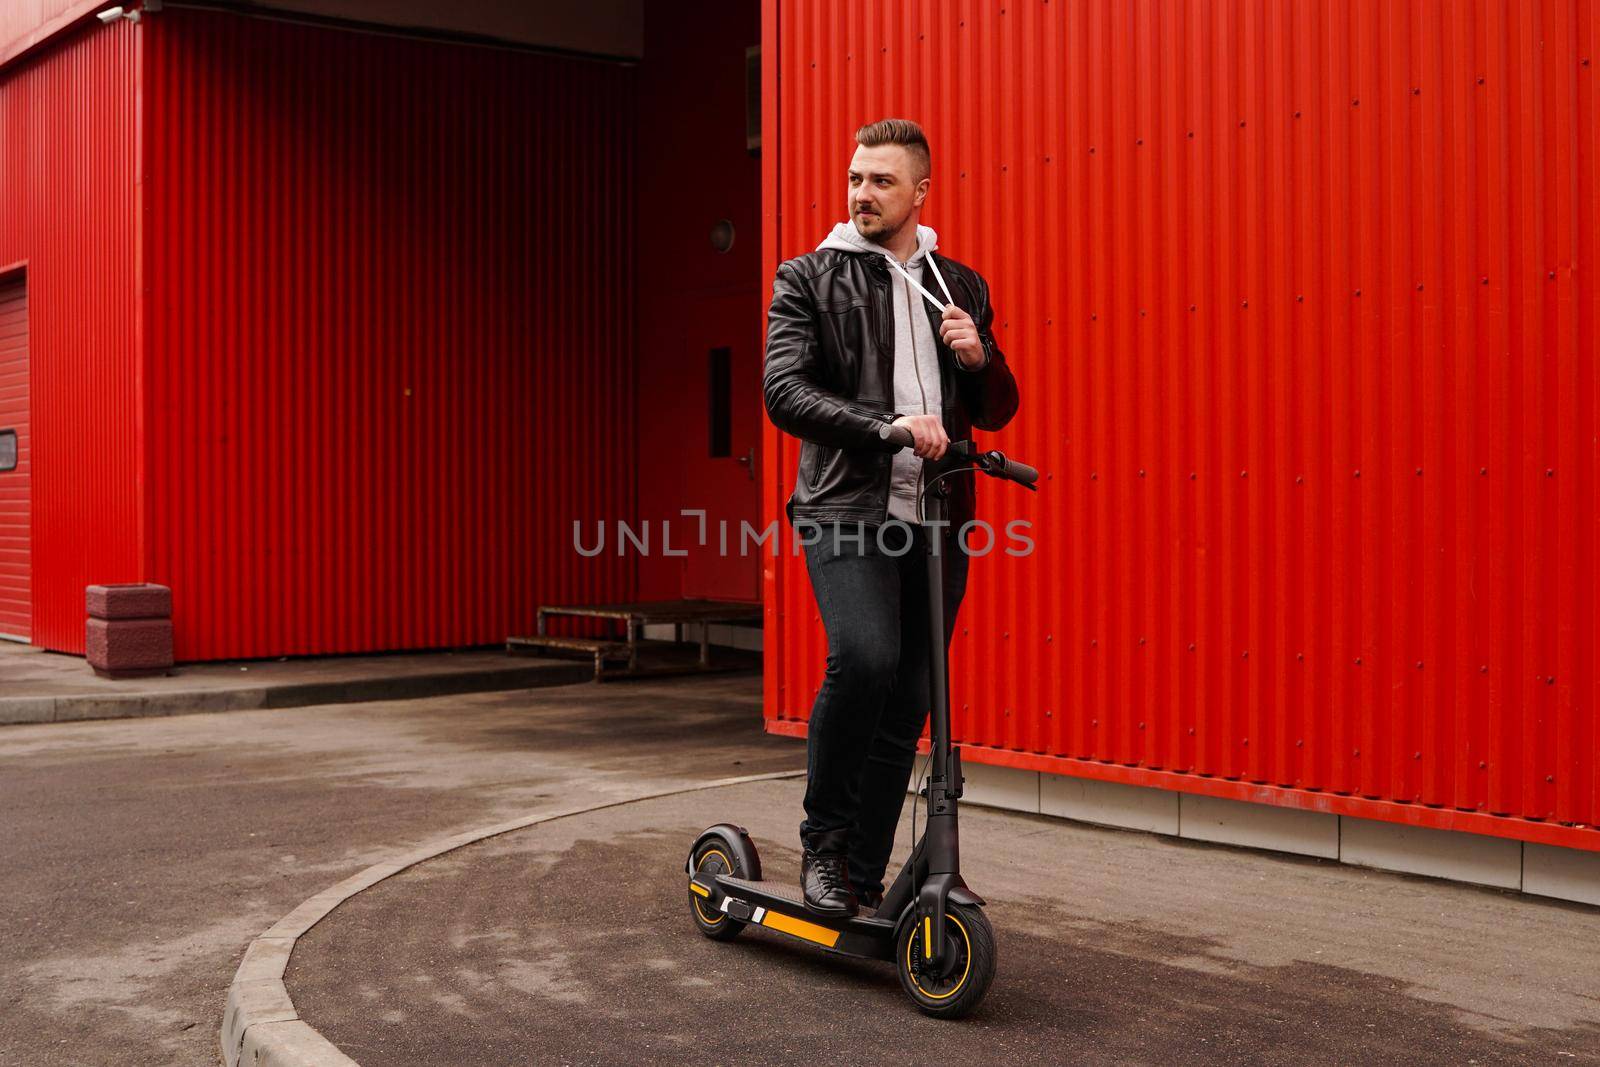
column 929, row 923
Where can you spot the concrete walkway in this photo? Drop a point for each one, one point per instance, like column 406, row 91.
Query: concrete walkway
column 38, row 686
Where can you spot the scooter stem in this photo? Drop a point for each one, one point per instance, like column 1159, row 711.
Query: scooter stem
column 942, row 850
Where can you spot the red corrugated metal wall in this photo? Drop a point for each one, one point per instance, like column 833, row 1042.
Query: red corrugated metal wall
column 1301, row 299
column 67, row 210
column 391, row 297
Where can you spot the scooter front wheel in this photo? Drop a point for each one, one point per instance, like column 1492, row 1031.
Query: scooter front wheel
column 967, row 965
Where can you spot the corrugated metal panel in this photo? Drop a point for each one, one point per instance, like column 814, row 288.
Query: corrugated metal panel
column 16, row 553
column 26, row 24
column 1300, row 301
column 67, row 195
column 390, row 323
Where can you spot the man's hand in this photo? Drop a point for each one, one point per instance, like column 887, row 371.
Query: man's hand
column 928, row 431
column 961, row 334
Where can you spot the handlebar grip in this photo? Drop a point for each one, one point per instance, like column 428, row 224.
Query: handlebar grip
column 898, row 435
column 1022, row 472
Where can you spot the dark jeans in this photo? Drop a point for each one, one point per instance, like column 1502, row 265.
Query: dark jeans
column 874, row 701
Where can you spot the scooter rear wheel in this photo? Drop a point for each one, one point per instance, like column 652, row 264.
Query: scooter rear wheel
column 714, row 857
column 968, row 964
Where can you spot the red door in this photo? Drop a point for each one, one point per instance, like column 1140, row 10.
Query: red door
column 723, row 470
column 16, row 556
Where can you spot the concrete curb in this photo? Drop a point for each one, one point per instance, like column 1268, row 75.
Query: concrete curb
column 78, row 708
column 260, row 1026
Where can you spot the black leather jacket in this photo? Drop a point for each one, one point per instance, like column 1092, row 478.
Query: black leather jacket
column 829, row 380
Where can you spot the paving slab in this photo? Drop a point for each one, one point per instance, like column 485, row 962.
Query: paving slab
column 570, row 943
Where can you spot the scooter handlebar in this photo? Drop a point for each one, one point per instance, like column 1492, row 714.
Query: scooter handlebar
column 993, row 463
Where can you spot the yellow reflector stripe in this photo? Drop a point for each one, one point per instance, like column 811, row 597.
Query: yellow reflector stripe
column 927, row 937
column 800, row 928
column 697, row 888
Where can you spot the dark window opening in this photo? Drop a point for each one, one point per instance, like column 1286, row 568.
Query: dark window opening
column 8, row 450
column 721, row 397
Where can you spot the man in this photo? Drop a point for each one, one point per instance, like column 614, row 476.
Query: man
column 853, row 346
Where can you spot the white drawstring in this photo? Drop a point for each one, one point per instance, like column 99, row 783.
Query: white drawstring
column 895, row 263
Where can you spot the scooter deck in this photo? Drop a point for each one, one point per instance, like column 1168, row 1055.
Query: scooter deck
column 780, row 906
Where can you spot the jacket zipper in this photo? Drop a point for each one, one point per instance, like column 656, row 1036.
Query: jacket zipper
column 916, row 365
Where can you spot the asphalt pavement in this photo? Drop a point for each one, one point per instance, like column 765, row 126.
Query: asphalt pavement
column 142, row 856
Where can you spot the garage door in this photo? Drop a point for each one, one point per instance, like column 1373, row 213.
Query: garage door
column 16, row 555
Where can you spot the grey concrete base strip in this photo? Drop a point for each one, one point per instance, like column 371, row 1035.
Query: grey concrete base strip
column 260, row 1026
column 77, row 708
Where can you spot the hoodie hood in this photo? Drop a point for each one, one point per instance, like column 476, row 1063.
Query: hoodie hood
column 846, row 238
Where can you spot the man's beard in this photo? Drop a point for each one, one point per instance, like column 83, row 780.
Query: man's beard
column 882, row 234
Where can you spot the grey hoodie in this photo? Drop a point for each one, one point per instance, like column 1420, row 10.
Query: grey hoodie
column 916, row 355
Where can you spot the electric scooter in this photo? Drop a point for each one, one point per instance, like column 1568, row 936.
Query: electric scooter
column 929, row 922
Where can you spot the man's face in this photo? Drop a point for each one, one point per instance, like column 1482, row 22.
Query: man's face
column 884, row 191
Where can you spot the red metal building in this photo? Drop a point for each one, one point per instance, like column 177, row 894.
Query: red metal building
column 336, row 327
column 1302, row 304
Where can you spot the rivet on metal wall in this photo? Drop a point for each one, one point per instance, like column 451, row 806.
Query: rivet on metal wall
column 1299, row 479
column 1191, row 646
column 1358, row 661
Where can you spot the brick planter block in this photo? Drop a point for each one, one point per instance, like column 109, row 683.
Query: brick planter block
column 128, row 648
column 133, row 601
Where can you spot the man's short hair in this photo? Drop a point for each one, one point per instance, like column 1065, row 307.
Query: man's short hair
column 907, row 135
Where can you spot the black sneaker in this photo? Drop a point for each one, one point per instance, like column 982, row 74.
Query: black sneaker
column 825, row 885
